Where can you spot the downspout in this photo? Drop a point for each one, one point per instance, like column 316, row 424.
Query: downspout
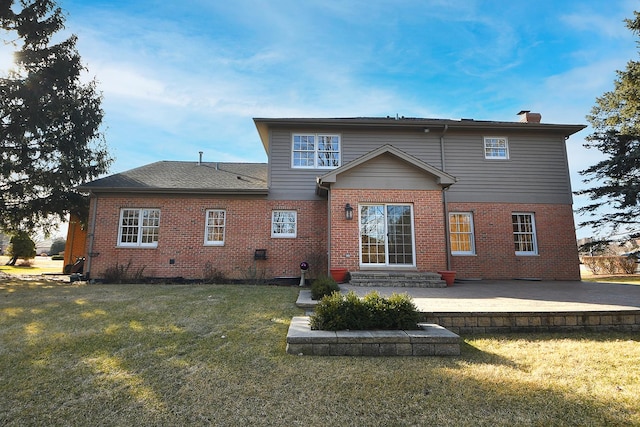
column 318, row 182
column 91, row 234
column 445, row 208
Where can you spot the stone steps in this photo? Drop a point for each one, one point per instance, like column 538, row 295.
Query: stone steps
column 412, row 279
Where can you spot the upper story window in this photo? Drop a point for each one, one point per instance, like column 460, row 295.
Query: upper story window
column 496, row 148
column 461, row 233
column 215, row 227
column 524, row 233
column 315, row 151
column 284, row 223
column 139, row 227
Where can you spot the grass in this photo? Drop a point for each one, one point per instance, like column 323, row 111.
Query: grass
column 76, row 354
column 628, row 279
column 36, row 266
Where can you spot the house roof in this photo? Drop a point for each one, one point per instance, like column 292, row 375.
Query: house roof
column 409, row 123
column 442, row 178
column 186, row 177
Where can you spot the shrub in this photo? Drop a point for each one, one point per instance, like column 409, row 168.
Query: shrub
column 213, row 275
column 120, row 274
column 628, row 264
column 323, row 286
column 610, row 264
column 339, row 312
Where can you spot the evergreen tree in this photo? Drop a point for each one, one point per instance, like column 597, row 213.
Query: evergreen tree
column 57, row 246
column 50, row 139
column 615, row 119
column 21, row 246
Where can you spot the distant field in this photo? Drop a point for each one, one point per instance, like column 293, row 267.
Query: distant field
column 39, row 265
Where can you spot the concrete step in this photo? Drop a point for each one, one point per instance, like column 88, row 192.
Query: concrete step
column 400, row 279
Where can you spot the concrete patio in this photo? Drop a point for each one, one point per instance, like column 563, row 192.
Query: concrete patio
column 519, row 306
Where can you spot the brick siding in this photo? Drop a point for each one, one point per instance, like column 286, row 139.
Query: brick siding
column 428, row 220
column 495, row 257
column 248, row 227
column 181, row 238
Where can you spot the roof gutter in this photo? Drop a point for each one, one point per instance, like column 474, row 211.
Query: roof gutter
column 464, row 124
column 106, row 190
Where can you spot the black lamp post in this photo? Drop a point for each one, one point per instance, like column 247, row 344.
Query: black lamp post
column 348, row 212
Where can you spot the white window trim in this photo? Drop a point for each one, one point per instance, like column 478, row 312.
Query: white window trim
column 533, row 234
column 506, row 147
column 139, row 243
column 386, row 263
column 316, row 136
column 207, row 225
column 472, row 233
column 284, row 235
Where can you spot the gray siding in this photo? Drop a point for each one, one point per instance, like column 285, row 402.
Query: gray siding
column 286, row 182
column 386, row 172
column 536, row 171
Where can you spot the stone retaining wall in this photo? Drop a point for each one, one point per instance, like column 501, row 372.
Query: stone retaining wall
column 430, row 340
column 473, row 323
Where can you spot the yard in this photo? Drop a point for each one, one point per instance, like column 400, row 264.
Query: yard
column 77, row 354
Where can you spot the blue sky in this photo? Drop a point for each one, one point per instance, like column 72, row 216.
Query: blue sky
column 180, row 77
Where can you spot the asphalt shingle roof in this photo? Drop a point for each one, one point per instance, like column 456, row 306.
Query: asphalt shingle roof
column 192, row 177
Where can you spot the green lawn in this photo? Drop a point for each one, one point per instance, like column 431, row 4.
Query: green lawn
column 33, row 267
column 168, row 355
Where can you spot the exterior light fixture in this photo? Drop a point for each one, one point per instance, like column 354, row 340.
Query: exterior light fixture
column 348, row 212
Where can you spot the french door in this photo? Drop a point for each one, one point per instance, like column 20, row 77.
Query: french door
column 386, row 235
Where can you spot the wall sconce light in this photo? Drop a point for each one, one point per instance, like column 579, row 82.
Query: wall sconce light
column 348, row 212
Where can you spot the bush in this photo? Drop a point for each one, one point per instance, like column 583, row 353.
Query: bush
column 610, row 264
column 213, row 275
column 323, row 286
column 337, row 312
column 120, row 274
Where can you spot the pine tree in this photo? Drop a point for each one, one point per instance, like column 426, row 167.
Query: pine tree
column 50, row 137
column 21, row 246
column 615, row 119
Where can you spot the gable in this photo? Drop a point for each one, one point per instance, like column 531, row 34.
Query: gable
column 387, row 172
column 387, row 168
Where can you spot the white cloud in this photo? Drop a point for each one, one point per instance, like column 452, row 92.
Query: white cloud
column 607, row 24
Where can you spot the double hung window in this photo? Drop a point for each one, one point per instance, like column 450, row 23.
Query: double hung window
column 316, row 151
column 524, row 234
column 284, row 224
column 139, row 227
column 496, row 148
column 461, row 233
column 215, row 227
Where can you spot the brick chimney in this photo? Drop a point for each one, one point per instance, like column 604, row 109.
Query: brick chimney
column 527, row 116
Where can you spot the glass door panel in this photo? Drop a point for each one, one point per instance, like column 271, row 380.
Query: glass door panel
column 399, row 235
column 372, row 234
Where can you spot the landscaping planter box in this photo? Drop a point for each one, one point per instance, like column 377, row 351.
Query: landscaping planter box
column 429, row 340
